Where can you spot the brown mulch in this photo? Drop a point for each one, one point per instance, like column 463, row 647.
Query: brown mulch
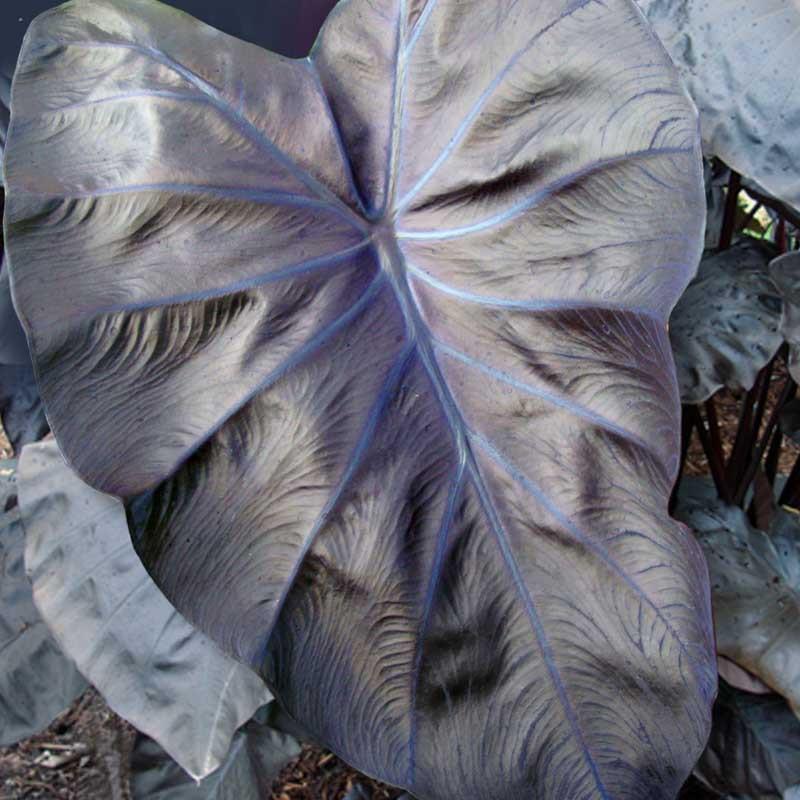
column 317, row 775
column 728, row 405
column 83, row 755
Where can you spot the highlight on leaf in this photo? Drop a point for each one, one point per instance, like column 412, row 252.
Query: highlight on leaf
column 373, row 345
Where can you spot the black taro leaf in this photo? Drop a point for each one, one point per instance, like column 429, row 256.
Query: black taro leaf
column 375, row 345
column 725, row 326
column 152, row 667
column 754, row 749
column 37, row 681
column 740, row 62
column 755, row 586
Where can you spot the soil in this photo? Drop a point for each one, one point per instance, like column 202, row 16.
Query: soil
column 83, row 755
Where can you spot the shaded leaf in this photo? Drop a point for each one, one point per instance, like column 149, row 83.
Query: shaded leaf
column 740, row 63
column 257, row 755
column 785, row 272
column 740, row 678
column 37, row 681
column 21, row 409
column 755, row 588
column 754, row 748
column 151, row 666
column 377, row 356
column 724, row 328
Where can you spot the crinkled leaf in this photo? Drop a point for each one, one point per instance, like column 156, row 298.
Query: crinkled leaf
column 375, row 346
column 755, row 588
column 37, row 681
column 785, row 272
column 740, row 62
column 151, row 666
column 724, row 329
column 256, row 757
column 754, row 748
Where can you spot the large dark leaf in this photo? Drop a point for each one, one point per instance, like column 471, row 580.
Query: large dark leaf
column 740, row 62
column 754, row 749
column 257, row 755
column 151, row 666
column 725, row 327
column 755, row 587
column 375, row 346
column 37, row 681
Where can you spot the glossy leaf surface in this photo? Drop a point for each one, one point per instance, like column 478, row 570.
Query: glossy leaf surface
column 754, row 748
column 725, row 327
column 151, row 666
column 375, row 347
column 740, row 62
column 755, row 587
column 37, row 681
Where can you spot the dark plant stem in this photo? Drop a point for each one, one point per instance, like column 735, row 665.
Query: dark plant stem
column 731, row 206
column 717, row 468
column 773, row 456
column 780, row 236
column 788, row 392
column 739, row 451
column 713, row 429
column 750, row 215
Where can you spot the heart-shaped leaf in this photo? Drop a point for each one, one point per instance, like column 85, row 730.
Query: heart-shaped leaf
column 724, row 329
column 37, row 681
column 754, row 748
column 151, row 666
column 740, row 62
column 375, row 346
column 755, row 587
column 257, row 755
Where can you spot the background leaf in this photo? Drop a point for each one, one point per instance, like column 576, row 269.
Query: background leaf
column 381, row 367
column 754, row 749
column 724, row 328
column 151, row 666
column 755, row 588
column 257, row 755
column 740, row 62
column 37, row 681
